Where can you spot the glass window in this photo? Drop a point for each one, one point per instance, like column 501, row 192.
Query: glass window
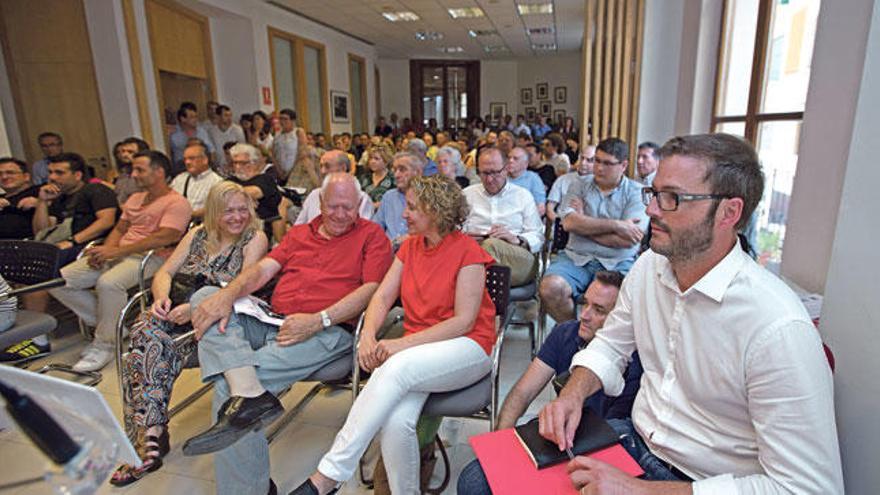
column 735, row 128
column 788, row 73
column 432, row 95
column 312, row 60
column 456, row 85
column 356, row 76
column 741, row 24
column 777, row 146
column 285, row 83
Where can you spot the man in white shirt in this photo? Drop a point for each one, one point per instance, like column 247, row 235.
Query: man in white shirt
column 332, row 161
column 287, row 144
column 503, row 218
column 736, row 395
column 647, row 162
column 521, row 126
column 195, row 183
column 223, row 132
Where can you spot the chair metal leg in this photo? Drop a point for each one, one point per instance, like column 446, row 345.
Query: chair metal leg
column 92, row 377
column 288, row 416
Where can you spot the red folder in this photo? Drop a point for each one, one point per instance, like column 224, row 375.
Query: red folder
column 511, row 472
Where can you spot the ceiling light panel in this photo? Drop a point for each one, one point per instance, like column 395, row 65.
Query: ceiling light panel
column 540, row 30
column 535, row 8
column 466, row 12
column 450, row 49
column 402, row 16
column 481, row 32
column 428, row 36
column 544, row 47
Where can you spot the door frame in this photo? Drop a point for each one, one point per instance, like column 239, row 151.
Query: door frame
column 415, row 86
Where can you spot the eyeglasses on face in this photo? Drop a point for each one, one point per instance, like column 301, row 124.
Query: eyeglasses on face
column 606, row 163
column 491, row 173
column 669, row 201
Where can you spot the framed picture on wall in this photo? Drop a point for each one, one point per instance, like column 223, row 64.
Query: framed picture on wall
column 525, row 96
column 545, row 108
column 497, row 111
column 339, row 102
column 542, row 91
column 559, row 116
column 560, row 94
column 531, row 114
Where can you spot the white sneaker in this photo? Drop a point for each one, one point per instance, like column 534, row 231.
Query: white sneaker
column 95, row 357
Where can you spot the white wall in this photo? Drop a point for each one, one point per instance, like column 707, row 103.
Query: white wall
column 560, row 70
column 7, row 106
column 498, row 83
column 661, row 58
column 394, row 82
column 234, row 65
column 851, row 315
column 832, row 102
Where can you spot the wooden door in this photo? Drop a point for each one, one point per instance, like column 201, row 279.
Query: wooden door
column 49, row 60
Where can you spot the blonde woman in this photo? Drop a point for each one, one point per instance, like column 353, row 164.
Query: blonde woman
column 376, row 181
column 230, row 237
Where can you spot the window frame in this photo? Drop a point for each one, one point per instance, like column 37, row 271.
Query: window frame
column 362, row 94
column 298, row 63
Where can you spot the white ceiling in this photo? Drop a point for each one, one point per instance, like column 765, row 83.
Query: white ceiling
column 363, row 19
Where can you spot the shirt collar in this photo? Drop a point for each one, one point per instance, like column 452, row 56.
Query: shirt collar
column 715, row 282
column 499, row 193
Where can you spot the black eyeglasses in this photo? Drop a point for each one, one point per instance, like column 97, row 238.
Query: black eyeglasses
column 669, row 201
column 606, row 163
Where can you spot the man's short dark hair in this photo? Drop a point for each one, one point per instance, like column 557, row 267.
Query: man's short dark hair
column 609, row 277
column 76, row 162
column 556, row 141
column 486, row 150
column 157, row 160
column 196, row 142
column 181, row 112
column 188, row 105
column 141, row 144
column 44, row 135
column 21, row 164
column 651, row 145
column 732, row 167
column 615, row 147
column 220, row 109
column 290, row 113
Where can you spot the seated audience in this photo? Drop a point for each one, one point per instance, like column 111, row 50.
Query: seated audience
column 224, row 131
column 553, row 153
column 521, row 126
column 51, row 145
column 377, row 180
column 449, row 164
column 154, row 218
column 389, row 216
column 290, row 149
column 439, row 275
column 418, row 147
column 505, row 143
column 346, row 257
column 568, row 129
column 230, row 238
column 247, row 164
column 70, row 212
column 546, row 172
column 16, row 215
column 123, row 152
column 583, row 170
column 737, row 395
column 428, row 138
column 605, row 218
column 188, row 128
column 262, row 137
column 198, row 179
column 503, row 219
column 382, row 128
column 554, row 359
column 647, row 162
column 541, row 128
column 520, row 175
column 572, row 147
column 333, row 161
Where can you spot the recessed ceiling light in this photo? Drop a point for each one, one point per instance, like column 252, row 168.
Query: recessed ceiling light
column 541, row 30
column 544, row 46
column 451, row 49
column 428, row 35
column 400, row 16
column 495, row 48
column 481, row 32
column 466, row 12
column 535, row 8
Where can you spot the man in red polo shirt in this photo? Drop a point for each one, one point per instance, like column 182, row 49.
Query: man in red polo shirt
column 329, row 269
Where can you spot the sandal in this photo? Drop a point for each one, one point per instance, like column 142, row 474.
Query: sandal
column 151, row 449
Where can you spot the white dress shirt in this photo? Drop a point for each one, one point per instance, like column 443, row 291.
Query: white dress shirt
column 513, row 207
column 284, row 148
column 232, row 133
column 736, row 391
column 196, row 192
column 311, row 207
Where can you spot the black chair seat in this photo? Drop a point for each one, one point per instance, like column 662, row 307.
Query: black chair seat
column 28, row 324
column 462, row 402
column 336, row 370
column 524, row 292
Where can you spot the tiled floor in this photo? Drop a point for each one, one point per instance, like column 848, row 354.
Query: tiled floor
column 295, row 452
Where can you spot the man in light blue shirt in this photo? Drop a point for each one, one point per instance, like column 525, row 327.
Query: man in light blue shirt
column 389, row 215
column 188, row 128
column 419, row 148
column 519, row 174
column 605, row 219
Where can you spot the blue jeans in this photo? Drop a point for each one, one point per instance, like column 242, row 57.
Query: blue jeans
column 579, row 277
column 243, row 468
column 472, row 480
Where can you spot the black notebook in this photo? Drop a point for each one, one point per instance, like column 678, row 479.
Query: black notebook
column 592, row 434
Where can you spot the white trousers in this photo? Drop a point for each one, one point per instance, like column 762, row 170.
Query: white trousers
column 392, row 402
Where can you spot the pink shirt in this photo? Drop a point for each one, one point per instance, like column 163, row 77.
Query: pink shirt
column 169, row 211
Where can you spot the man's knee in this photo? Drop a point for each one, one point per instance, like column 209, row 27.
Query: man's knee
column 109, row 281
column 554, row 288
column 202, row 294
column 490, row 245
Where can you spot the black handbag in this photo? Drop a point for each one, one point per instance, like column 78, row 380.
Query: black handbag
column 184, row 285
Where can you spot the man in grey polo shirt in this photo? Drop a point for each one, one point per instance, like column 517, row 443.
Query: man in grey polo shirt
column 606, row 220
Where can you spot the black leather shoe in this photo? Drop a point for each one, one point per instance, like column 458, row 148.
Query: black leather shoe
column 237, row 417
column 309, row 488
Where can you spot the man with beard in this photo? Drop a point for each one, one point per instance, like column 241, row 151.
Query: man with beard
column 154, row 218
column 736, row 395
column 605, row 219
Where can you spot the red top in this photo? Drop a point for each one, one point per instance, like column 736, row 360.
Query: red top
column 316, row 272
column 427, row 286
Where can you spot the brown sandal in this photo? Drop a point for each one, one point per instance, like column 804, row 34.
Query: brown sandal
column 151, row 449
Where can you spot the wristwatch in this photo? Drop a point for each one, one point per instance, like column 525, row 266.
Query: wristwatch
column 325, row 319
